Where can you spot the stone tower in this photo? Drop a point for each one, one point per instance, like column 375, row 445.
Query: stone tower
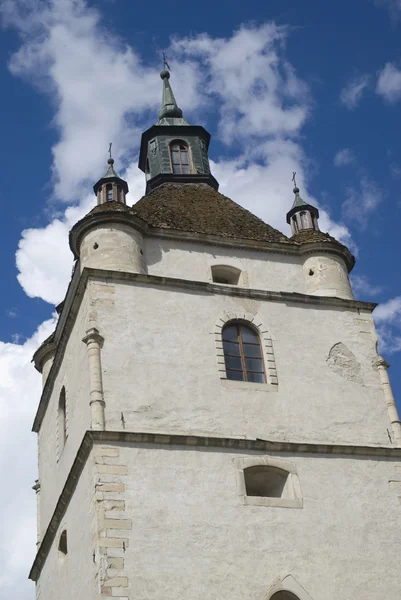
column 215, row 421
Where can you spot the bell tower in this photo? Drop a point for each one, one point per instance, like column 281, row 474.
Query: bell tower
column 215, row 421
column 173, row 151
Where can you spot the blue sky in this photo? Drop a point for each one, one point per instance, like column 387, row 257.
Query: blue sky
column 281, row 85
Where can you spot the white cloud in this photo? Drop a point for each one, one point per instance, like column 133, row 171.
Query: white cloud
column 362, row 285
column 389, row 83
column 388, row 320
column 257, row 90
column 352, row 93
column 389, row 311
column 344, row 157
column 362, row 201
column 20, row 388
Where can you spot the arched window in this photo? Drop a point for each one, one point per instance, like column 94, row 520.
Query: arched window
column 284, row 596
column 243, row 353
column 179, row 158
column 62, row 418
column 109, row 192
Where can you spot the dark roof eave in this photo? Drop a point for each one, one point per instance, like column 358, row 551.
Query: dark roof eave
column 117, row 180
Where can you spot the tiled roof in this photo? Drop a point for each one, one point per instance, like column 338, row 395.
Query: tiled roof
column 311, row 235
column 198, row 208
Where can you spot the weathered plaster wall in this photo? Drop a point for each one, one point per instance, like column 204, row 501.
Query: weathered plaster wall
column 191, row 535
column 118, row 247
column 184, row 260
column 55, row 460
column 74, row 576
column 161, row 373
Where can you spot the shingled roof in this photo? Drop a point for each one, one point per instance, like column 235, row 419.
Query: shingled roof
column 311, row 235
column 198, row 208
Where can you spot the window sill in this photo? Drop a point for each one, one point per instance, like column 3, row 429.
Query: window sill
column 249, row 385
column 273, row 502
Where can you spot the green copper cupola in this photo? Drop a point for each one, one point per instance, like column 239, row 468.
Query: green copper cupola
column 172, row 150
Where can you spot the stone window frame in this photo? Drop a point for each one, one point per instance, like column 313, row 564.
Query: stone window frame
column 288, row 584
column 229, row 263
column 293, row 500
column 266, row 343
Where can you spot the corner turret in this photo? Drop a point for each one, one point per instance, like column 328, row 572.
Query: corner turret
column 111, row 188
column 326, row 261
column 302, row 215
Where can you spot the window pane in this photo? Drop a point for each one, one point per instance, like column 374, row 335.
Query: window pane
column 176, row 158
column 230, row 333
column 185, row 169
column 183, row 148
column 175, row 147
column 233, row 363
column 176, row 168
column 252, row 350
column 254, row 364
column 237, row 375
column 248, row 335
column 231, row 348
column 256, row 377
column 184, row 158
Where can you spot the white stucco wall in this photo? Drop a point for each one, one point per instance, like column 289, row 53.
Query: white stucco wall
column 185, row 260
column 190, row 534
column 73, row 577
column 54, row 463
column 193, row 537
column 160, row 368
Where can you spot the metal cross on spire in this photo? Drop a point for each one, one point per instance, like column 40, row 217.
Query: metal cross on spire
column 110, row 145
column 165, row 63
column 293, row 178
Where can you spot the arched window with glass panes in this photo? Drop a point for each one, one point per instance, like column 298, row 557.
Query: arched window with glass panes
column 243, row 353
column 179, row 153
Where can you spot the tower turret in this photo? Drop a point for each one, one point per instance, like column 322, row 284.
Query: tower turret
column 302, row 215
column 107, row 237
column 326, row 261
column 111, row 188
column 173, row 150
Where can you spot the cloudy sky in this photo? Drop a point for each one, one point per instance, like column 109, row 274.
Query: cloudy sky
column 282, row 86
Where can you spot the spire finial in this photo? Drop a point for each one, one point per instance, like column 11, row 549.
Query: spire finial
column 296, row 189
column 169, row 109
column 111, row 160
column 165, row 63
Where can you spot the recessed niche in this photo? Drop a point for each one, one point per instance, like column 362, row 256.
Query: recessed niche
column 225, row 274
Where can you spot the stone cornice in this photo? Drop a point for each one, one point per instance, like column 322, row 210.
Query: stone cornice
column 229, row 444
column 67, row 319
column 129, row 217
